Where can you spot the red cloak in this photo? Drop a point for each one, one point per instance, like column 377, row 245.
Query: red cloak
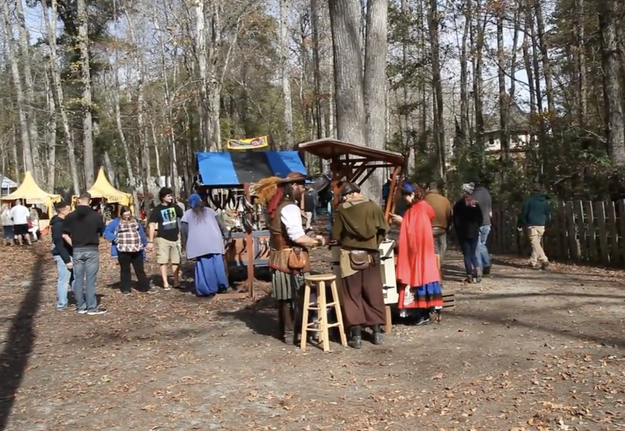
column 416, row 262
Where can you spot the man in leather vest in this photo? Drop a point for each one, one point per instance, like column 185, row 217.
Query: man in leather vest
column 359, row 227
column 288, row 260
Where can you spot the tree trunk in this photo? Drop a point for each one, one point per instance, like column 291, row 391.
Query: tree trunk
column 375, row 87
column 609, row 19
column 464, row 73
column 581, row 63
column 125, row 149
column 12, row 55
column 201, row 55
column 478, row 40
column 544, row 52
column 30, row 91
column 285, row 74
column 85, row 73
column 146, row 171
column 345, row 20
column 314, row 23
column 51, row 134
column 441, row 145
column 68, row 139
column 501, row 79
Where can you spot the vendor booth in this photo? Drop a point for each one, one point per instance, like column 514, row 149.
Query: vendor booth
column 355, row 164
column 224, row 179
column 31, row 194
column 7, row 185
column 102, row 193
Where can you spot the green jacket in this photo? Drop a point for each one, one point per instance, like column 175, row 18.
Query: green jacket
column 536, row 211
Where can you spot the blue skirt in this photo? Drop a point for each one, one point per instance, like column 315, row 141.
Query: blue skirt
column 210, row 275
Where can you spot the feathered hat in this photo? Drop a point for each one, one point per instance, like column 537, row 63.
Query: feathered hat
column 268, row 192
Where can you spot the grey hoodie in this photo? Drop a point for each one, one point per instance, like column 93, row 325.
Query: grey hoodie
column 482, row 196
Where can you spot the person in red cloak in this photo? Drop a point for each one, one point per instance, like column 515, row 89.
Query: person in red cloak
column 417, row 270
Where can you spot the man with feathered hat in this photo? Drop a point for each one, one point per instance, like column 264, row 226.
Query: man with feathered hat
column 288, row 259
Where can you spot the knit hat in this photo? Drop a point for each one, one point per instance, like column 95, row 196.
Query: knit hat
column 468, row 188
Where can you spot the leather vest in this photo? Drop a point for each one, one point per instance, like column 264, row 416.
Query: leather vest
column 280, row 244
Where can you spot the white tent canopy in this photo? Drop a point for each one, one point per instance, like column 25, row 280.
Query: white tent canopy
column 8, row 183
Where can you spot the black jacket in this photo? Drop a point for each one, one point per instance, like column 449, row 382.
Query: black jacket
column 59, row 246
column 467, row 220
column 84, row 226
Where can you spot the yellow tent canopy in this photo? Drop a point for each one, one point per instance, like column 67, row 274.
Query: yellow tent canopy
column 30, row 192
column 102, row 189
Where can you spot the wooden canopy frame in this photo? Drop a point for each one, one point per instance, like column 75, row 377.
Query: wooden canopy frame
column 355, row 164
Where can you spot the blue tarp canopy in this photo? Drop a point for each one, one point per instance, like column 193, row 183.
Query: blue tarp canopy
column 230, row 169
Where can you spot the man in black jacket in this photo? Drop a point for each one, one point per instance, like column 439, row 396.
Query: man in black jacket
column 62, row 253
column 83, row 229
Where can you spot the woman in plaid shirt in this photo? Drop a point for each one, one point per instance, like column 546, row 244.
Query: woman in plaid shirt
column 128, row 242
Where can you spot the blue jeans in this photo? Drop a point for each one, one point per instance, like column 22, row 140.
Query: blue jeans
column 483, row 259
column 469, row 247
column 86, row 265
column 63, row 281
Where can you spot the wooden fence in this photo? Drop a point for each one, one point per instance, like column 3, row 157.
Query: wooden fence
column 581, row 231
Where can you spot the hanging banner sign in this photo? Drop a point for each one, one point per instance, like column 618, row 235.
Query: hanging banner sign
column 248, row 144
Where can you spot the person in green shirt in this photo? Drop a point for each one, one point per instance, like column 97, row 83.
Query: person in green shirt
column 535, row 216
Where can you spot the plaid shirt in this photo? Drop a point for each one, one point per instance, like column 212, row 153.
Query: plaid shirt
column 128, row 238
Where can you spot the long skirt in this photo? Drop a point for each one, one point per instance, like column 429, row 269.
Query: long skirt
column 426, row 296
column 210, row 275
column 363, row 299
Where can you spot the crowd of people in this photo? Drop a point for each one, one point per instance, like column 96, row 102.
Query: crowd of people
column 358, row 226
column 76, row 237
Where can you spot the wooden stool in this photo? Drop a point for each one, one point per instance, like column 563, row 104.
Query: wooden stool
column 321, row 306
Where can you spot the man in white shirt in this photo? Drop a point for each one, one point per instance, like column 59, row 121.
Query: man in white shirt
column 20, row 215
column 288, row 259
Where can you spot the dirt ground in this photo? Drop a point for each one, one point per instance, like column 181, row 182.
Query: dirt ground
column 525, row 350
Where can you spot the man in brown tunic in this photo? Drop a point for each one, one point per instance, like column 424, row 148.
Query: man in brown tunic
column 288, row 258
column 359, row 227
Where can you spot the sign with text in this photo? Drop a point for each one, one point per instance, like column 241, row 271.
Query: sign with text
column 248, row 144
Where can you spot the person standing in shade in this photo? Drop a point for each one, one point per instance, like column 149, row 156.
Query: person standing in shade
column 7, row 226
column 21, row 216
column 165, row 234
column 483, row 198
column 535, row 216
column 62, row 253
column 82, row 230
column 442, row 219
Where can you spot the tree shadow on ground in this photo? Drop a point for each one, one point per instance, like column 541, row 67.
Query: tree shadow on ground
column 260, row 316
column 479, row 296
column 19, row 343
column 507, row 320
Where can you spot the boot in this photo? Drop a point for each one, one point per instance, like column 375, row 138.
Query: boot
column 424, row 317
column 377, row 335
column 355, row 337
column 478, row 275
column 285, row 321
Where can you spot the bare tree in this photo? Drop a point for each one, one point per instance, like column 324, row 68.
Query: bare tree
column 285, row 73
column 55, row 72
column 30, row 91
column 610, row 17
column 12, row 55
column 86, row 102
